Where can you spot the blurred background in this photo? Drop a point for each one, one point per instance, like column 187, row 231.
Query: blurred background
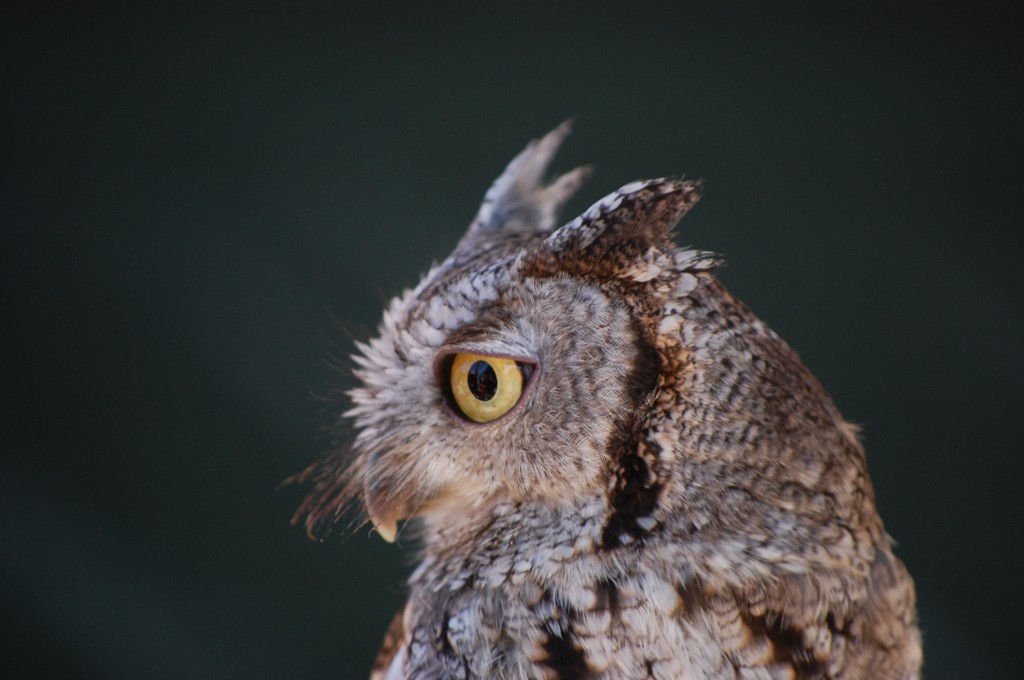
column 202, row 203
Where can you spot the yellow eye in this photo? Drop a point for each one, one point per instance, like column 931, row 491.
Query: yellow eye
column 486, row 388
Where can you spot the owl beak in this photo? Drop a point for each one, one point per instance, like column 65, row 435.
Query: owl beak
column 386, row 527
column 384, row 510
column 389, row 499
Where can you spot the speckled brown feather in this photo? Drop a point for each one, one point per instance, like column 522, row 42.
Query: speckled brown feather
column 393, row 640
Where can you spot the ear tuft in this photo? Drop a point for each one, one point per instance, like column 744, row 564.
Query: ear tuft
column 519, row 200
column 617, row 232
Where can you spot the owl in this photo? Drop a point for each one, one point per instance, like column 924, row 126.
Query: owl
column 615, row 470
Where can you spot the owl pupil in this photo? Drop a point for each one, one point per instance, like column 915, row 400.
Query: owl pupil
column 483, row 382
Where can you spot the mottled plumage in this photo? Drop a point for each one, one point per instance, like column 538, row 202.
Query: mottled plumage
column 674, row 495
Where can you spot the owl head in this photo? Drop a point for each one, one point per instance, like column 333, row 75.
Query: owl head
column 553, row 365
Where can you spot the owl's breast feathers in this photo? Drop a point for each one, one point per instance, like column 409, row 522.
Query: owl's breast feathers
column 529, row 598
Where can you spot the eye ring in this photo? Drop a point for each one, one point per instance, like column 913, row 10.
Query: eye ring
column 482, row 388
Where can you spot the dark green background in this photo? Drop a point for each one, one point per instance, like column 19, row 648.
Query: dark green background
column 201, row 205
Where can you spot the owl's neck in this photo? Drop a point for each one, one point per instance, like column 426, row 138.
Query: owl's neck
column 529, row 535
